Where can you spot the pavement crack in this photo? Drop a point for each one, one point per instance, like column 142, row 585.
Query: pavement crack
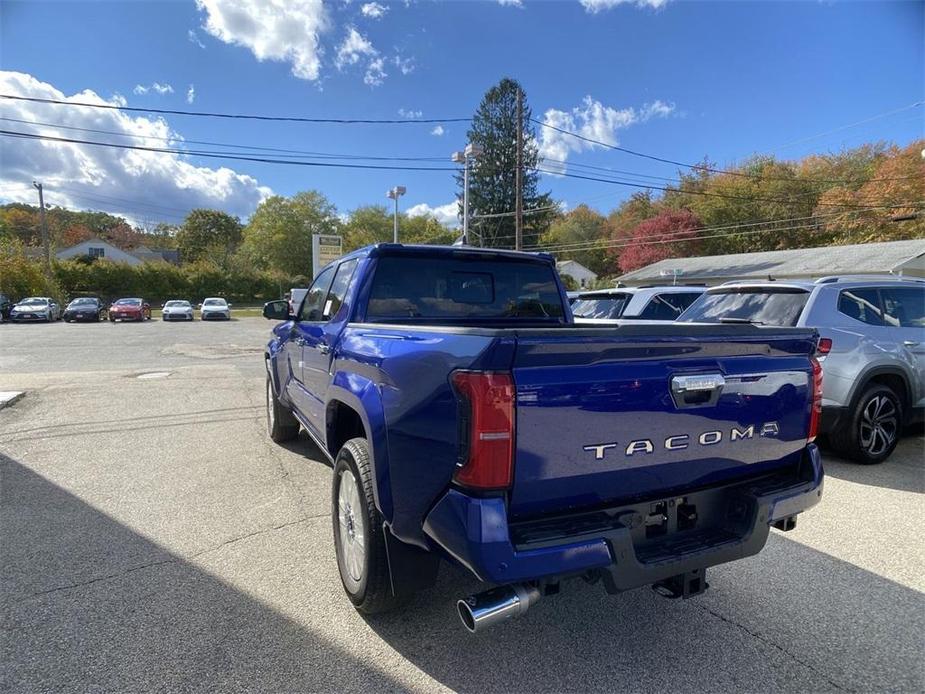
column 776, row 646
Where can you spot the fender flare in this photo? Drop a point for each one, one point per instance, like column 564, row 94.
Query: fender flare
column 361, row 395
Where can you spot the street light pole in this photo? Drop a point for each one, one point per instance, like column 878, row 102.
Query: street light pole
column 46, row 245
column 465, row 157
column 394, row 194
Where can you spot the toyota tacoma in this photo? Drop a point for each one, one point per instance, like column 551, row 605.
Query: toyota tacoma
column 470, row 420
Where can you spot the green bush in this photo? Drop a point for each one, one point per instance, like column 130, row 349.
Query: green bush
column 155, row 282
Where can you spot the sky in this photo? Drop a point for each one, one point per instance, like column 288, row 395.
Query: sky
column 674, row 79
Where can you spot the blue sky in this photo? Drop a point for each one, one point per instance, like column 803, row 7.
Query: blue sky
column 681, row 80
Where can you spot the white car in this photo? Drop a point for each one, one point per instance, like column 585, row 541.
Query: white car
column 215, row 308
column 177, row 309
column 610, row 306
column 36, row 308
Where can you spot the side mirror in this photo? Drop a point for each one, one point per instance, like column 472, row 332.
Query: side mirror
column 276, row 310
column 229, row 305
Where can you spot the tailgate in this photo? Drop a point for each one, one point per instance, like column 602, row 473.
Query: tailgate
column 645, row 411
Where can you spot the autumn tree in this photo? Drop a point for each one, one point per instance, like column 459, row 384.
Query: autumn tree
column 375, row 224
column 670, row 234
column 582, row 232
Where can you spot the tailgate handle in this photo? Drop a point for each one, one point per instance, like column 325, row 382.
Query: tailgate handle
column 696, row 390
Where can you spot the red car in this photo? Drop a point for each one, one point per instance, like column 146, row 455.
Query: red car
column 130, row 309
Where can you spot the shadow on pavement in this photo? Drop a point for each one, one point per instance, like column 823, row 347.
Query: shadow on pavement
column 88, row 604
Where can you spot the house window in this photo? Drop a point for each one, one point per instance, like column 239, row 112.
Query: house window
column 96, row 252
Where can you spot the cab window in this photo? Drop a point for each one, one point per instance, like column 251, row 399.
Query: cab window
column 313, row 303
column 338, row 289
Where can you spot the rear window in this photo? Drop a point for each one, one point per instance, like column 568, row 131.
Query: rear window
column 667, row 306
column 601, row 306
column 462, row 289
column 781, row 307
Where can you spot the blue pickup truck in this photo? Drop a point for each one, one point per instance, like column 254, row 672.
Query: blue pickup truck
column 469, row 420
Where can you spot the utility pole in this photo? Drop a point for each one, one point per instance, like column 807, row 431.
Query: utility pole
column 519, row 203
column 45, row 242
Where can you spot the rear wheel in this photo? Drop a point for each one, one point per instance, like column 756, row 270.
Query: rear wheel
column 281, row 423
column 359, row 539
column 872, row 431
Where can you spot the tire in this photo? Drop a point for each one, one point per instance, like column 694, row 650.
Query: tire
column 871, row 433
column 281, row 423
column 359, row 542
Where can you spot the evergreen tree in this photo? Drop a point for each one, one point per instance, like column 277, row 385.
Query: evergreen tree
column 492, row 179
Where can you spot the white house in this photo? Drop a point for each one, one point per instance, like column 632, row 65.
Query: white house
column 578, row 272
column 97, row 248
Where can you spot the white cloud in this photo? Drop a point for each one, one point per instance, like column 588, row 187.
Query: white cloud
column 410, row 113
column 595, row 6
column 193, row 38
column 155, row 87
column 375, row 73
column 354, row 47
column 438, row 131
column 447, row 214
column 405, row 65
column 592, row 120
column 191, row 94
column 141, row 185
column 511, row 3
column 280, row 30
column 373, row 10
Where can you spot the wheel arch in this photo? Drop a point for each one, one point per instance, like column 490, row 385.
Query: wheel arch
column 894, row 378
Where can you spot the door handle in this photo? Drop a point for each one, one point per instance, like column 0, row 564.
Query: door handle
column 324, row 349
column 911, row 343
column 300, row 341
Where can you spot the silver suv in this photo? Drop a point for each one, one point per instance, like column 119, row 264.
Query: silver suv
column 871, row 346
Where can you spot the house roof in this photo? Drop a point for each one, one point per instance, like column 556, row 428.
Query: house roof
column 885, row 257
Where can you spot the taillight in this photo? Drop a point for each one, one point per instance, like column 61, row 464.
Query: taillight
column 824, row 347
column 486, row 458
column 816, row 412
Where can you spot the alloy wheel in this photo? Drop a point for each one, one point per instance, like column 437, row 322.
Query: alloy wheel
column 351, row 535
column 879, row 425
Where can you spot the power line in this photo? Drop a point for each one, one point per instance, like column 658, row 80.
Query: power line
column 181, row 141
column 850, row 125
column 239, row 116
column 695, row 167
column 222, row 155
column 695, row 234
column 749, row 198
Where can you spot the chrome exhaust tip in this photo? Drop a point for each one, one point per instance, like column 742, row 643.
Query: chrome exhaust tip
column 483, row 610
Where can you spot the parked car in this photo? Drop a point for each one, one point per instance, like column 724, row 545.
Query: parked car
column 872, row 349
column 467, row 418
column 6, row 305
column 634, row 303
column 215, row 308
column 36, row 308
column 132, row 309
column 177, row 309
column 85, row 308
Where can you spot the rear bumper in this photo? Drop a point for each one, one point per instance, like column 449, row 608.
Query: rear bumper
column 735, row 523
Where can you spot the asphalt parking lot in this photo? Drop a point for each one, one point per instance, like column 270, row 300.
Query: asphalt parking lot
column 153, row 538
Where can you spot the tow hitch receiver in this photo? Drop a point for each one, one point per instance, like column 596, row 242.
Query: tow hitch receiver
column 685, row 585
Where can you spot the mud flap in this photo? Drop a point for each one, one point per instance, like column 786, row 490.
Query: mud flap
column 411, row 569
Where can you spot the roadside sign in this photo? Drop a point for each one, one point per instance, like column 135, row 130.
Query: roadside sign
column 326, row 248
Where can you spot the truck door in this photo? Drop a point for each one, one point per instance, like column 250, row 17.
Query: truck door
column 308, row 318
column 317, row 349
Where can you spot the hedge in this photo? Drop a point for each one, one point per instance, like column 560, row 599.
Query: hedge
column 155, row 282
